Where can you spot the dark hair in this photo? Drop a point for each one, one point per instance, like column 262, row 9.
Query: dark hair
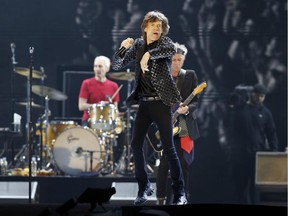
column 152, row 16
column 259, row 88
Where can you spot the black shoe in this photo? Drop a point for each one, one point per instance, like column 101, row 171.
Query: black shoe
column 180, row 200
column 150, row 191
column 142, row 196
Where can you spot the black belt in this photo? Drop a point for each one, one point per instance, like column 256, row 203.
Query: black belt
column 150, row 98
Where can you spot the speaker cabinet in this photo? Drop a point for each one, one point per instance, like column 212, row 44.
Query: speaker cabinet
column 271, row 168
column 271, row 178
column 72, row 81
column 17, row 192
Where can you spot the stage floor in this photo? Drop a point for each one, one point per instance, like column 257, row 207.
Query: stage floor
column 59, row 189
column 52, row 194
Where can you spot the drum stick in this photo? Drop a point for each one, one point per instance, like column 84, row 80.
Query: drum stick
column 114, row 95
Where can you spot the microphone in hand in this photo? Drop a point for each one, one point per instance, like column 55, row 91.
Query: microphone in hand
column 123, row 49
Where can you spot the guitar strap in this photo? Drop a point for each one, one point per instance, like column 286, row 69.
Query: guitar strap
column 185, row 141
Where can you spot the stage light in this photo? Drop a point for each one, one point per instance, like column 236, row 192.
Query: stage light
column 96, row 196
column 93, row 196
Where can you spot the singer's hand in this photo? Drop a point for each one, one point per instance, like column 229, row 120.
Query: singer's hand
column 144, row 62
column 127, row 43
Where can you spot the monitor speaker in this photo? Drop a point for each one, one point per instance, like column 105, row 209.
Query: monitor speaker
column 17, row 192
column 271, row 168
column 271, row 178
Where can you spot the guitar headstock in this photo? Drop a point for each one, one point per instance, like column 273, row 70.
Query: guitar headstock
column 200, row 88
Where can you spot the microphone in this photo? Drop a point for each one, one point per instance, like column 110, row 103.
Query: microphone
column 79, row 150
column 31, row 50
column 122, row 49
column 12, row 45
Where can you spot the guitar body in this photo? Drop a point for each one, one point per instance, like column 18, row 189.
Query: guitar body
column 153, row 135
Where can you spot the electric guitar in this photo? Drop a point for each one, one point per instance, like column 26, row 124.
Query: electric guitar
column 153, row 135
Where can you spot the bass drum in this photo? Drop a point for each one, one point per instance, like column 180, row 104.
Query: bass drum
column 74, row 148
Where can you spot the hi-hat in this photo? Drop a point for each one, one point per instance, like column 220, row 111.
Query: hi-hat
column 32, row 104
column 122, row 75
column 26, row 71
column 51, row 93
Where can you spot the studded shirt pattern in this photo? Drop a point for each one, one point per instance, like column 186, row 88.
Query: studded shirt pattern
column 159, row 65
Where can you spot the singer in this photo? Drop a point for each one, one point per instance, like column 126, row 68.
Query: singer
column 156, row 93
column 97, row 88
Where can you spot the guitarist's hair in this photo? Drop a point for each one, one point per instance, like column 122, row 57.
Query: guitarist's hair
column 181, row 48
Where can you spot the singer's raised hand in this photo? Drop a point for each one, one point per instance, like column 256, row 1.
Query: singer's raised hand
column 124, row 45
column 144, row 62
column 127, row 43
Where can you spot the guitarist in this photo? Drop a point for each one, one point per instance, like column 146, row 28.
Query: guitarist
column 186, row 81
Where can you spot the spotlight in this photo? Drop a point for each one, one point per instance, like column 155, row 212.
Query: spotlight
column 96, row 196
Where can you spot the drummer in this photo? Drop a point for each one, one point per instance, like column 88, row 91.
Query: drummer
column 97, row 89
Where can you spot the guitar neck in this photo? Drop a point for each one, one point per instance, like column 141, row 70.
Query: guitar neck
column 188, row 99
column 185, row 103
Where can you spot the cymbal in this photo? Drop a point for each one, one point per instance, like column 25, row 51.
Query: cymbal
column 32, row 104
column 26, row 71
column 44, row 91
column 122, row 75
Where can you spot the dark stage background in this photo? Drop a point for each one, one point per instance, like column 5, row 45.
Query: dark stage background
column 230, row 43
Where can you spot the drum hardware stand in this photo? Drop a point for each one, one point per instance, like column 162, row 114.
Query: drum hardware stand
column 80, row 150
column 46, row 124
column 121, row 165
column 109, row 161
column 108, row 167
column 26, row 150
column 128, row 169
column 52, row 164
column 41, row 122
column 14, row 63
column 29, row 123
column 125, row 158
column 91, row 160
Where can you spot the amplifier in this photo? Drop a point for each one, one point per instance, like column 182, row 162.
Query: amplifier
column 271, row 168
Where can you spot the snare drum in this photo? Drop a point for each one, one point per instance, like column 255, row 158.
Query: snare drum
column 78, row 150
column 102, row 116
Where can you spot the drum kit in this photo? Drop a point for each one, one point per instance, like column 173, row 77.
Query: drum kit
column 71, row 149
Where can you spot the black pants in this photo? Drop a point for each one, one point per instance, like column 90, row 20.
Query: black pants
column 148, row 112
column 163, row 172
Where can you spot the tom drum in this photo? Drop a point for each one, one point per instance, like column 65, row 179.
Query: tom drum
column 102, row 116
